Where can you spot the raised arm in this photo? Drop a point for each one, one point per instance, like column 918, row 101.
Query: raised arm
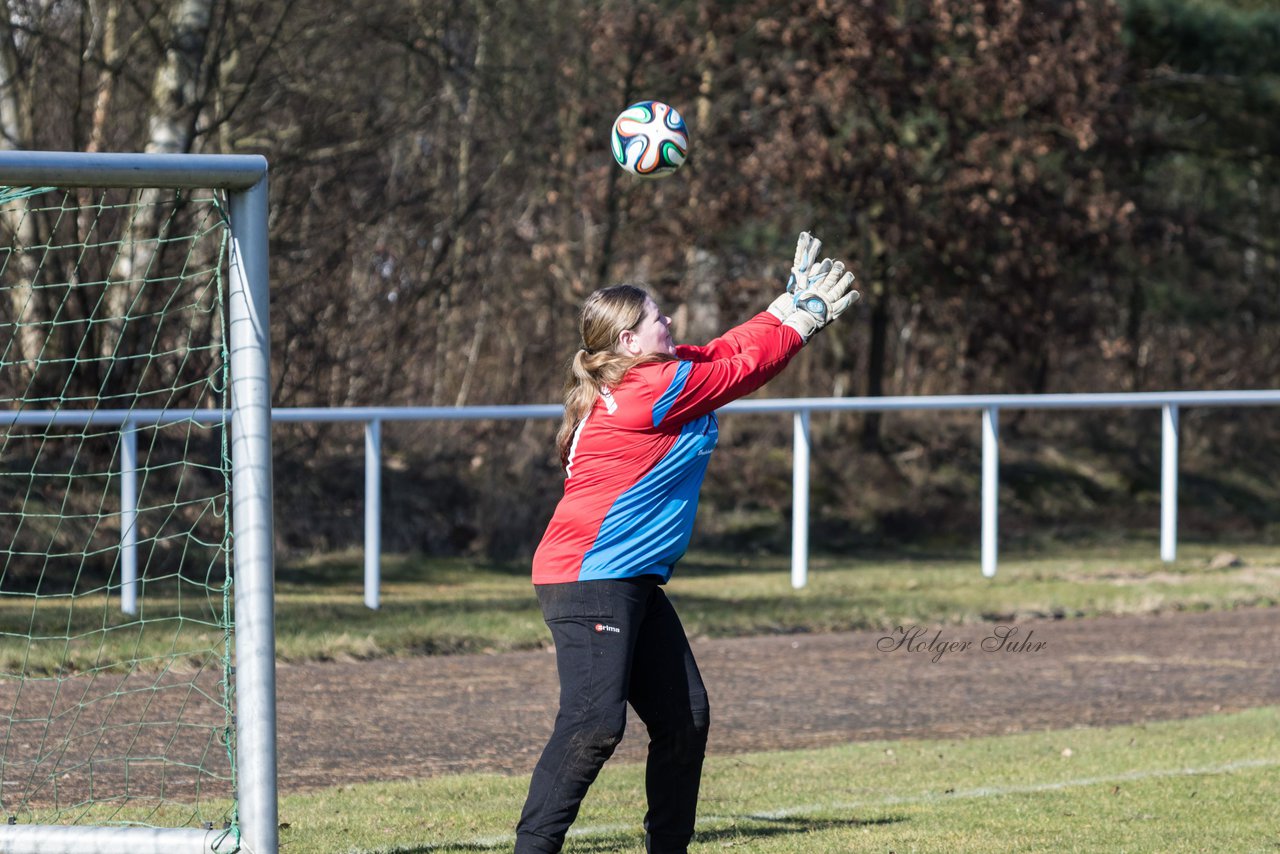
column 732, row 342
column 685, row 389
column 805, row 271
column 689, row 389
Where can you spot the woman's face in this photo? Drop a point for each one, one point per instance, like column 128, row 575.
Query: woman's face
column 651, row 335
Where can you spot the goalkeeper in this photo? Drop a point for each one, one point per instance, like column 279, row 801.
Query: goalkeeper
column 638, row 431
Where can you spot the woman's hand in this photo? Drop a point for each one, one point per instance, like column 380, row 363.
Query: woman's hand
column 807, row 249
column 806, row 271
column 785, row 304
column 822, row 301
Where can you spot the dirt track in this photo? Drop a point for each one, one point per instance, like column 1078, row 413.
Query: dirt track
column 347, row 722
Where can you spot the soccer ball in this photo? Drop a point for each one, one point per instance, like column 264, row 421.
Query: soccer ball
column 650, row 139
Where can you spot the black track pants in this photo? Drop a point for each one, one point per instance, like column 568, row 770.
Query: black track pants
column 618, row 642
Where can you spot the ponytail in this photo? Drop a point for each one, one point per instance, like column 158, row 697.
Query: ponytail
column 588, row 373
column 598, row 364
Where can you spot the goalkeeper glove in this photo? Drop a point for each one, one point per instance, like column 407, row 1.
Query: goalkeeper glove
column 822, row 302
column 785, row 304
column 807, row 248
column 805, row 271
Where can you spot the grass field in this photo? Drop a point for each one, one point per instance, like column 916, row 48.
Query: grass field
column 454, row 605
column 458, row 606
column 1206, row 784
column 1201, row 785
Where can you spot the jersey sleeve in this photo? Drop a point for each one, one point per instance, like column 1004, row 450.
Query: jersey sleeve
column 689, row 389
column 732, row 342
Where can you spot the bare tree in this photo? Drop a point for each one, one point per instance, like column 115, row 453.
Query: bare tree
column 178, row 95
column 15, row 134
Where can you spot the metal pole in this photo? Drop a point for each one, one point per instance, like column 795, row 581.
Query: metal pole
column 48, row 839
column 255, row 682
column 990, row 487
column 112, row 169
column 372, row 513
column 129, row 518
column 1168, row 483
column 800, row 500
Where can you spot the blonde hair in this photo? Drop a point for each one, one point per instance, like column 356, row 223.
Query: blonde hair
column 598, row 363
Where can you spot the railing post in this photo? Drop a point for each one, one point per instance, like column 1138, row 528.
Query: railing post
column 800, row 500
column 129, row 518
column 1169, row 482
column 372, row 513
column 990, row 487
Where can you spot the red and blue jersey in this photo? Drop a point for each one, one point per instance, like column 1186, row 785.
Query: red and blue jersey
column 638, row 459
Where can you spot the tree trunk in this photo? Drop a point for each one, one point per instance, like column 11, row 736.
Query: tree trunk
column 178, row 90
column 700, row 320
column 15, row 134
column 107, row 74
column 177, row 97
column 876, row 367
column 642, row 37
column 14, row 126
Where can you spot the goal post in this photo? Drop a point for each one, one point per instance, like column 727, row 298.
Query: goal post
column 209, row 554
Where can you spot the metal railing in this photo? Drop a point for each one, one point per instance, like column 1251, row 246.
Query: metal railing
column 801, row 409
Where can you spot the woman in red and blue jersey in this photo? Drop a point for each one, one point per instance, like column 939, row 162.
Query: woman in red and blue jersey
column 638, row 431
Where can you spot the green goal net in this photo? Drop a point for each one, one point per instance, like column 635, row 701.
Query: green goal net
column 115, row 482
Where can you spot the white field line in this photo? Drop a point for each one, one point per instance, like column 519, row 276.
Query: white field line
column 899, row 800
column 1000, row 791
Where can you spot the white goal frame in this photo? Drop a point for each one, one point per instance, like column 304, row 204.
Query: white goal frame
column 244, row 178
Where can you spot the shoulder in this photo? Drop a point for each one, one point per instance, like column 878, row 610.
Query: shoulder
column 654, row 373
column 661, row 378
column 645, row 390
